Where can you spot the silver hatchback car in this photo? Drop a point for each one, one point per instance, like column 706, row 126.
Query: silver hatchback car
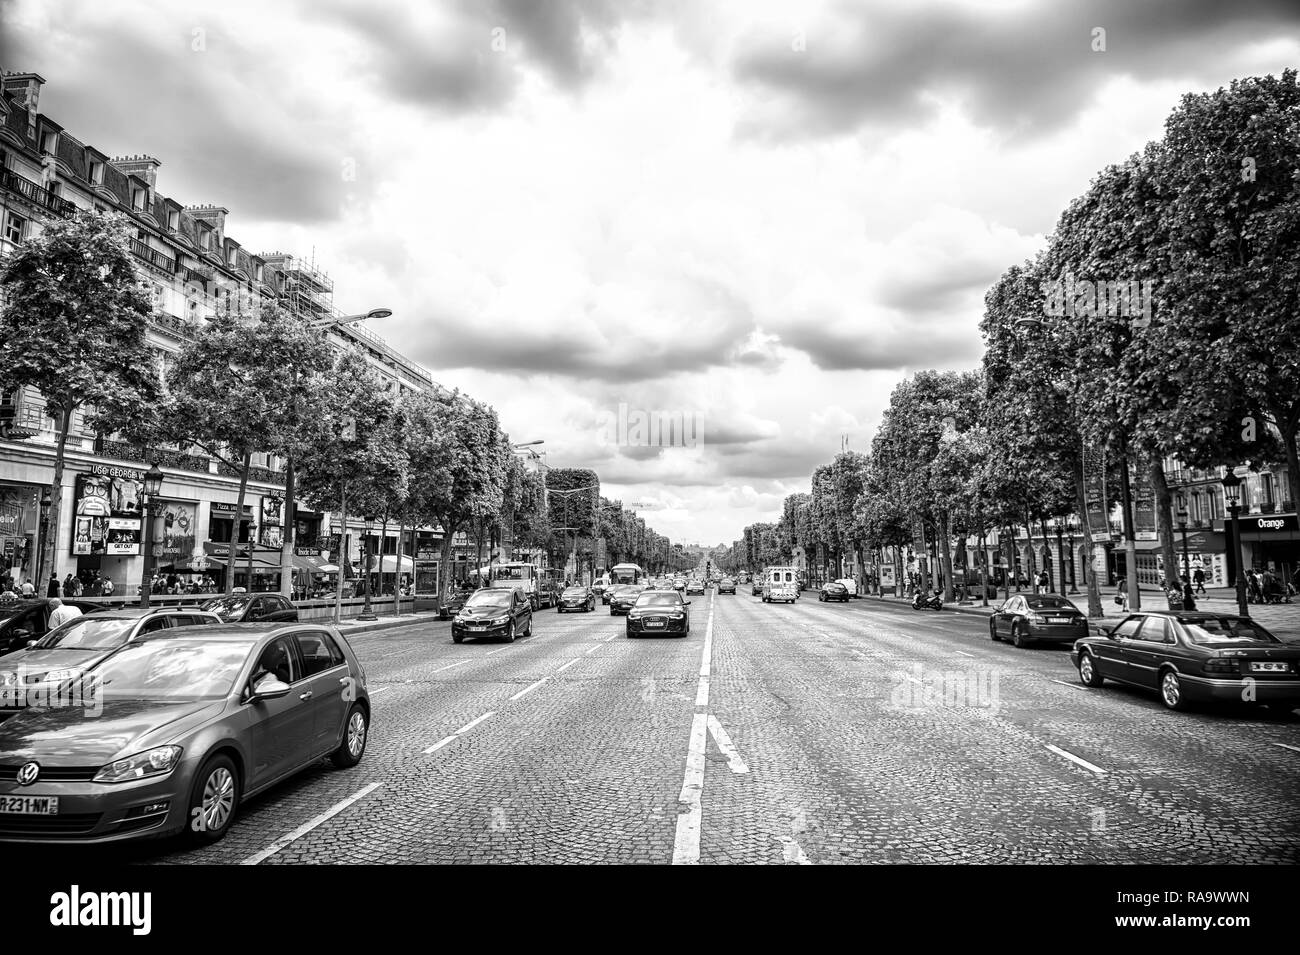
column 174, row 729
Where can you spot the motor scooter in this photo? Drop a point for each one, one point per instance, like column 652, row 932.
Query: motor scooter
column 924, row 601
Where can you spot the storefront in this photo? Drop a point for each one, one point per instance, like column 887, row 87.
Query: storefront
column 1272, row 542
column 107, row 525
column 19, row 522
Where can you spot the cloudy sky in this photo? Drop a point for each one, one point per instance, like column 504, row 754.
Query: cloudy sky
column 757, row 215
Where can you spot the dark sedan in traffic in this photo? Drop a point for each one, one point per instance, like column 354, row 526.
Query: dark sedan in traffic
column 833, row 590
column 1190, row 657
column 576, row 598
column 623, row 597
column 191, row 722
column 1038, row 618
column 659, row 611
column 250, row 608
column 494, row 612
column 726, row 586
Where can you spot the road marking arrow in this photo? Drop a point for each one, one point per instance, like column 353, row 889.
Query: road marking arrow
column 728, row 748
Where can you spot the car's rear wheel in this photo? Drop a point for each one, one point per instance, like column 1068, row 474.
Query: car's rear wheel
column 1089, row 675
column 213, row 801
column 510, row 632
column 528, row 631
column 355, row 733
column 993, row 632
column 1017, row 636
column 1171, row 691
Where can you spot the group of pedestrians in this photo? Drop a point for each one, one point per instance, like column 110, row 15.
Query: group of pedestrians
column 1267, row 587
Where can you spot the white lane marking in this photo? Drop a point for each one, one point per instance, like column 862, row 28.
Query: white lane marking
column 379, row 689
column 593, row 649
column 498, row 650
column 793, row 852
column 529, row 689
column 440, row 744
column 686, row 844
column 473, row 723
column 1075, row 759
column 964, row 653
column 569, row 664
column 456, row 664
column 726, row 746
column 308, row 826
column 1073, row 686
column 1294, row 749
column 609, row 638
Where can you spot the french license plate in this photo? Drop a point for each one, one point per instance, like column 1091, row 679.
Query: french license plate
column 654, row 623
column 1269, row 667
column 1058, row 619
column 477, row 629
column 30, row 805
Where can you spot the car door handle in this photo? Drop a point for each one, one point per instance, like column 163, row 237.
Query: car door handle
column 345, row 680
column 305, row 696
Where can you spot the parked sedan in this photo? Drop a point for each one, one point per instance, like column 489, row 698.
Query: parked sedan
column 1191, row 657
column 622, row 598
column 25, row 620
column 576, row 598
column 494, row 612
column 193, row 721
column 33, row 675
column 726, row 586
column 249, row 608
column 833, row 590
column 1038, row 618
column 659, row 611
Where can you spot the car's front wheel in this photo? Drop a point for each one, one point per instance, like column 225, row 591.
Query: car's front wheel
column 1089, row 675
column 510, row 632
column 353, row 746
column 993, row 632
column 213, row 801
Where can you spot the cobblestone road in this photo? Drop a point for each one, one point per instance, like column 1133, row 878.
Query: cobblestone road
column 828, row 733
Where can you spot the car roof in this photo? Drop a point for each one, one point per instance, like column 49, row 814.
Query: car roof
column 231, row 632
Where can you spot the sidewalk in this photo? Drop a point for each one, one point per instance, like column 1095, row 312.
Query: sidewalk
column 384, row 622
column 1283, row 620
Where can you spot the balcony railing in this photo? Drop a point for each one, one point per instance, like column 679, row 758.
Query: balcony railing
column 35, row 192
column 262, row 475
column 155, row 258
column 125, row 451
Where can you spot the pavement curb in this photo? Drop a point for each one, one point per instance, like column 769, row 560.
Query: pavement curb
column 405, row 621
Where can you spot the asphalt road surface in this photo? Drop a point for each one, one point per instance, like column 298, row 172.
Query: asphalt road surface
column 788, row 734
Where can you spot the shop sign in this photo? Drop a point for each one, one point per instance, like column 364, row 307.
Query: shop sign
column 107, row 512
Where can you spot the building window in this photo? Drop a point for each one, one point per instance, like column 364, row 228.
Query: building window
column 259, row 271
column 97, row 173
column 174, row 220
column 137, row 200
column 14, row 228
column 205, row 240
column 50, row 143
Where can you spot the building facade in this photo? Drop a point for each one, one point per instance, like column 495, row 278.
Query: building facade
column 194, row 269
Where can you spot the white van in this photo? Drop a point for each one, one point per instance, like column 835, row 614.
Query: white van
column 781, row 583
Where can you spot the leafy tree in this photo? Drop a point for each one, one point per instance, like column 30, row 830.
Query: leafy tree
column 73, row 326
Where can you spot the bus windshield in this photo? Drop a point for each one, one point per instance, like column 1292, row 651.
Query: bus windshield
column 512, row 572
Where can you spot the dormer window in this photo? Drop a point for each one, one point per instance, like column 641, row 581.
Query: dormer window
column 205, row 240
column 50, row 143
column 96, row 172
column 138, row 197
column 259, row 271
column 174, row 220
column 233, row 258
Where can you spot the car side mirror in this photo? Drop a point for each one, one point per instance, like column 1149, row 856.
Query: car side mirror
column 269, row 688
column 21, row 634
column 1106, row 631
column 31, row 644
column 685, row 601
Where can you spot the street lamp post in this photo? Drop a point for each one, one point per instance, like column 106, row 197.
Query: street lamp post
column 1182, row 527
column 1071, row 524
column 366, row 612
column 1232, row 497
column 153, row 479
column 46, row 503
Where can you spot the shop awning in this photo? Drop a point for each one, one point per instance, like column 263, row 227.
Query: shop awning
column 312, row 564
column 389, row 565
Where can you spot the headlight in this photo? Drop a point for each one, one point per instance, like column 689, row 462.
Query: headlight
column 152, row 762
column 497, row 621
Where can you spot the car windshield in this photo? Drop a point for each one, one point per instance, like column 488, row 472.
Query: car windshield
column 88, row 633
column 1050, row 603
column 576, row 592
column 727, row 580
column 659, row 600
column 230, row 606
column 166, row 671
column 489, row 600
column 1226, row 630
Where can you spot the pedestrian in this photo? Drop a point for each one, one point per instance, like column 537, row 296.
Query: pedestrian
column 107, row 586
column 1256, row 591
column 53, row 589
column 1121, row 594
column 1198, row 577
column 61, row 613
column 74, row 587
column 29, row 589
column 67, row 584
column 1189, row 599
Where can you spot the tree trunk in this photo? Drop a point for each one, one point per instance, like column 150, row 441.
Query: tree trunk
column 1089, row 570
column 290, row 526
column 1009, row 571
column 1031, row 571
column 945, row 539
column 1047, row 549
column 238, row 525
column 1287, row 427
column 1165, row 525
column 397, row 578
column 49, row 546
column 444, row 570
column 383, row 542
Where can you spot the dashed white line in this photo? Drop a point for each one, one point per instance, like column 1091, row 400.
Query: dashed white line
column 964, row 653
column 569, row 664
column 456, row 664
column 1294, row 749
column 379, row 689
column 793, row 852
column 440, row 744
column 609, row 638
column 473, row 723
column 1073, row 686
column 308, row 826
column 529, row 689
column 686, row 845
column 1075, row 759
column 728, row 748
column 593, row 649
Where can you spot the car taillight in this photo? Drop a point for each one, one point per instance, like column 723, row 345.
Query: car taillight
column 1221, row 665
column 1037, row 618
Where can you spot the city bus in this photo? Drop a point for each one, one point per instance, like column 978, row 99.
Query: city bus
column 627, row 574
column 540, row 586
